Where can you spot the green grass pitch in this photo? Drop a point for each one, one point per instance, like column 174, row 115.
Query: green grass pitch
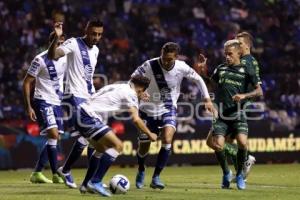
column 266, row 182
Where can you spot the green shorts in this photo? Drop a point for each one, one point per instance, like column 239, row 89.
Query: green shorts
column 229, row 127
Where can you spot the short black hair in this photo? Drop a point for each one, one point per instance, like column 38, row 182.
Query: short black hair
column 94, row 22
column 141, row 81
column 171, row 47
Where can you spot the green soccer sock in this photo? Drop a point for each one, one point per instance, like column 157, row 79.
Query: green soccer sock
column 221, row 157
column 231, row 152
column 241, row 158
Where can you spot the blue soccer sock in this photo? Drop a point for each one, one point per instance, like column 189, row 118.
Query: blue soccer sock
column 93, row 164
column 90, row 151
column 43, row 159
column 75, row 154
column 105, row 162
column 141, row 161
column 52, row 154
column 162, row 159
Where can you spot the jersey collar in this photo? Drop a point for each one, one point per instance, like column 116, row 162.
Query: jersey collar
column 161, row 65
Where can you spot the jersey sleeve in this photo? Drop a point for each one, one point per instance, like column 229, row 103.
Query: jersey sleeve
column 143, row 70
column 257, row 70
column 132, row 99
column 68, row 46
column 215, row 75
column 192, row 75
column 252, row 76
column 35, row 67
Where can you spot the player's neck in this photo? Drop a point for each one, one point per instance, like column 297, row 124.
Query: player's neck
column 246, row 53
column 86, row 42
column 237, row 64
column 165, row 68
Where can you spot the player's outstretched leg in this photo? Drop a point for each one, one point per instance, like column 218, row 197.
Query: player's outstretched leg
column 231, row 150
column 163, row 155
column 37, row 176
column 161, row 162
column 93, row 164
column 240, row 182
column 143, row 149
column 217, row 143
column 247, row 165
column 65, row 171
column 52, row 155
column 241, row 158
column 110, row 154
column 227, row 174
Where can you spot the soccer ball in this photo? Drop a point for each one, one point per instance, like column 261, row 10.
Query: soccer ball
column 119, row 184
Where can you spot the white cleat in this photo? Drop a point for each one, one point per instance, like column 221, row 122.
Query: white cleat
column 68, row 178
column 247, row 165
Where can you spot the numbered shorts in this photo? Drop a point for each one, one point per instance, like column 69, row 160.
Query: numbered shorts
column 156, row 123
column 48, row 116
column 70, row 105
column 90, row 127
column 229, row 127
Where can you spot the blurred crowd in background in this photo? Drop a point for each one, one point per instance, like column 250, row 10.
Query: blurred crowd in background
column 135, row 30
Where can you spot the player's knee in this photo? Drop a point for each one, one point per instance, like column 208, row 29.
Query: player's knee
column 167, row 139
column 119, row 146
column 209, row 143
column 217, row 146
column 53, row 135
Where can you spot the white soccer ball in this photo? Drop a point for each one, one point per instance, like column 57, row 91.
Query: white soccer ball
column 119, row 184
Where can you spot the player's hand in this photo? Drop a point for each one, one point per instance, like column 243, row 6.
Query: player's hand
column 202, row 61
column 145, row 97
column 58, row 28
column 238, row 97
column 31, row 114
column 208, row 105
column 152, row 137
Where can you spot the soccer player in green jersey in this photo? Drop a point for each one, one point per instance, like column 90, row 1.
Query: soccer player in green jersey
column 246, row 42
column 232, row 79
column 231, row 149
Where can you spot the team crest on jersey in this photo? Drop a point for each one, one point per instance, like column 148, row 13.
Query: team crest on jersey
column 141, row 70
column 85, row 54
column 242, row 70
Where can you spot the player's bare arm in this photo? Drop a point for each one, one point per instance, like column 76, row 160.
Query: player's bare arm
column 145, row 97
column 53, row 52
column 257, row 92
column 202, row 61
column 138, row 122
column 28, row 80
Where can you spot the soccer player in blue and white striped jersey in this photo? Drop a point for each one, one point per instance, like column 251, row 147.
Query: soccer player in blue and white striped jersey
column 46, row 109
column 166, row 74
column 81, row 54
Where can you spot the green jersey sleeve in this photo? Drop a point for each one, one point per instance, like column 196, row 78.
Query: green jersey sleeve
column 252, row 76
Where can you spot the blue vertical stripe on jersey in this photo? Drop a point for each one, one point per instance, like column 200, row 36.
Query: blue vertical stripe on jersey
column 86, row 63
column 162, row 84
column 53, row 74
